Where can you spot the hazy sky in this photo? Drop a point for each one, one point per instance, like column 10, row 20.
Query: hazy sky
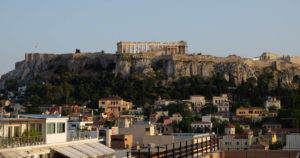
column 221, row 28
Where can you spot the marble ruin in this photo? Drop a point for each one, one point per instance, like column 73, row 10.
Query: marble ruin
column 164, row 48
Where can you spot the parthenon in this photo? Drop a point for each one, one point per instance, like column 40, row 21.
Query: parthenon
column 164, row 48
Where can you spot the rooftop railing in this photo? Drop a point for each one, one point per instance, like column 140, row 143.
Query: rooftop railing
column 12, row 142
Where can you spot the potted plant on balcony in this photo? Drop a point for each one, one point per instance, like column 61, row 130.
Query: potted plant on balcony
column 32, row 137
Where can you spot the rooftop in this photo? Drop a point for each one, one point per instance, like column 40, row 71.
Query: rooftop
column 249, row 108
column 39, row 116
column 111, row 98
column 230, row 126
column 197, row 122
column 141, row 123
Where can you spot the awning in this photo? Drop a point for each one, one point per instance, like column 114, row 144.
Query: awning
column 72, row 150
column 24, row 153
column 87, row 150
column 84, row 150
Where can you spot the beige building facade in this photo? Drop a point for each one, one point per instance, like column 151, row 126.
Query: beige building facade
column 114, row 106
column 222, row 104
column 139, row 130
column 272, row 101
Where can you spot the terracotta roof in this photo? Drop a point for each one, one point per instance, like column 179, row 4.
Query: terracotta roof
column 199, row 122
column 250, row 108
column 112, row 98
column 230, row 126
column 167, row 122
column 54, row 109
column 241, row 136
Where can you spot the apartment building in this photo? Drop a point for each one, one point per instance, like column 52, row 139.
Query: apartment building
column 222, row 104
column 249, row 112
column 114, row 106
column 45, row 136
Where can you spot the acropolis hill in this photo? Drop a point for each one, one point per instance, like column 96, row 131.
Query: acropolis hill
column 146, row 58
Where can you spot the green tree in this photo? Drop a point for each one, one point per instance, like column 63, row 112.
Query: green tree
column 11, row 85
column 66, row 89
column 276, row 146
column 33, row 110
column 238, row 128
column 175, row 126
column 219, row 126
column 148, row 109
column 209, row 109
column 185, row 126
column 110, row 123
column 273, row 107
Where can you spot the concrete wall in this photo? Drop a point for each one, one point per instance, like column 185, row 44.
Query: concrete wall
column 292, row 141
column 121, row 141
column 56, row 137
column 138, row 131
column 158, row 140
column 259, row 154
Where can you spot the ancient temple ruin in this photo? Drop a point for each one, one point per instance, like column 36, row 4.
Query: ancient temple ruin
column 164, row 48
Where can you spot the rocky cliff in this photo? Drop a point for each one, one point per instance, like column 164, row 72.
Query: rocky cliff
column 232, row 68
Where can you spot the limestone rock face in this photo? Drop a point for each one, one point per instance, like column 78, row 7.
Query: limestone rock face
column 232, row 68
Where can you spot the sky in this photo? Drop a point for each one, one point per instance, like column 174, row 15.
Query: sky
column 215, row 27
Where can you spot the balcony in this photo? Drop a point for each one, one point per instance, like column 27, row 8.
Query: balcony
column 75, row 135
column 13, row 142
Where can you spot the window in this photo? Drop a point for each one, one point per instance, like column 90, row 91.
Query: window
column 147, row 129
column 39, row 127
column 32, row 126
column 237, row 143
column 16, row 131
column 61, row 127
column 50, row 128
column 246, row 143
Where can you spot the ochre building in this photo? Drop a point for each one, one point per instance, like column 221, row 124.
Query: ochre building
column 114, row 106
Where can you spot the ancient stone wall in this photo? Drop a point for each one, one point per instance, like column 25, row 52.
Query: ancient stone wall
column 37, row 56
column 164, row 48
column 268, row 56
column 295, row 60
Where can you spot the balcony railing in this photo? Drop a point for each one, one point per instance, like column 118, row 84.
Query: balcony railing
column 12, row 142
column 74, row 135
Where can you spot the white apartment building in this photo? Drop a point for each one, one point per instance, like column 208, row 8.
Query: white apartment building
column 200, row 124
column 45, row 136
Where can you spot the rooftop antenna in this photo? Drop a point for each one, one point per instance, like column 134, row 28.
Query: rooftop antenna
column 36, row 46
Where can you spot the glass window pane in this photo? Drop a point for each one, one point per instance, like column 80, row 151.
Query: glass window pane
column 60, row 127
column 32, row 126
column 39, row 128
column 50, row 128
